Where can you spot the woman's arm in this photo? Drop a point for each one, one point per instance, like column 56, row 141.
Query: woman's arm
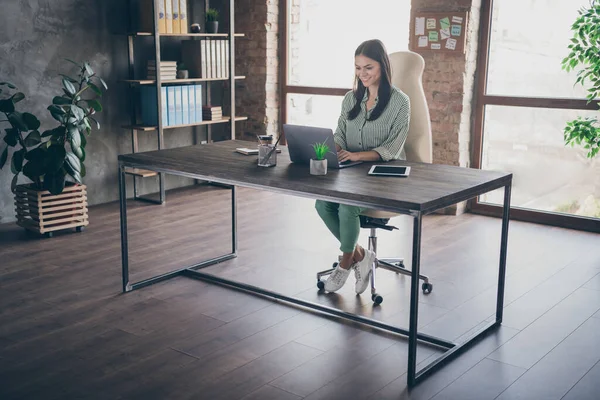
column 371, row 155
column 392, row 147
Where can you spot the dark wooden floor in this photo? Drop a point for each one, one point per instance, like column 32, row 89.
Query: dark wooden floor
column 66, row 331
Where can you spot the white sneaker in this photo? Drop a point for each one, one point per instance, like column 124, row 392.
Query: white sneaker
column 337, row 279
column 362, row 271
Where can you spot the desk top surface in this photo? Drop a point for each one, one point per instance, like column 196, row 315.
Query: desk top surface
column 428, row 188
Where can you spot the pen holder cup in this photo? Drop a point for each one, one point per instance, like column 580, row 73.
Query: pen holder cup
column 267, row 155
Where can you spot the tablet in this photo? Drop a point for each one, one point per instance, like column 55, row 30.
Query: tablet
column 389, row 170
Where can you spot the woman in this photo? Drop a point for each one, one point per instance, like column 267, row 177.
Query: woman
column 373, row 126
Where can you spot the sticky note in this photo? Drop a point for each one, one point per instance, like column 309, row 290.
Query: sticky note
column 423, row 41
column 445, row 23
column 445, row 33
column 436, row 46
column 451, row 44
column 420, row 26
column 455, row 31
column 457, row 20
column 433, row 36
column 431, row 23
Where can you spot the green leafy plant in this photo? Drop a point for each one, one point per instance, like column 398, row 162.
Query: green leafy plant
column 584, row 52
column 57, row 155
column 212, row 15
column 23, row 133
column 320, row 150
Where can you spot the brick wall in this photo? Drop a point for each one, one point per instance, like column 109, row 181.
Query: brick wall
column 449, row 81
column 257, row 57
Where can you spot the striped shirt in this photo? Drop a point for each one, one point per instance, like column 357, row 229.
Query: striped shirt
column 385, row 135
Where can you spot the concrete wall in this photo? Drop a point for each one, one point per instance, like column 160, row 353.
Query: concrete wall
column 35, row 37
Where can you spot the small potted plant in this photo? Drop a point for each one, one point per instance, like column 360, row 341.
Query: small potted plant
column 182, row 71
column 318, row 165
column 54, row 160
column 212, row 20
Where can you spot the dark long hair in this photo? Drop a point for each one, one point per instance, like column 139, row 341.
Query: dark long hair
column 375, row 50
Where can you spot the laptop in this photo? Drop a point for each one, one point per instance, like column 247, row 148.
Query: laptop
column 300, row 140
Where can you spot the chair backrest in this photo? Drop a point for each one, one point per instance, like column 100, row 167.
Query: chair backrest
column 407, row 74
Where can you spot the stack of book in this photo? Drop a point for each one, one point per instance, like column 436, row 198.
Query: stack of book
column 212, row 113
column 168, row 70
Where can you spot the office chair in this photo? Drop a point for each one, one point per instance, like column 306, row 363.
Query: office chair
column 407, row 72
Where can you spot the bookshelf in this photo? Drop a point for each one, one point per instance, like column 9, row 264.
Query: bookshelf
column 134, row 81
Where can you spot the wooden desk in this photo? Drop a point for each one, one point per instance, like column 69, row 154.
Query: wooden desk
column 428, row 188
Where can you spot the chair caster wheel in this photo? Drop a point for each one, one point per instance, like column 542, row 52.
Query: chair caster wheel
column 427, row 287
column 79, row 229
column 335, row 264
column 49, row 235
column 321, row 285
column 377, row 299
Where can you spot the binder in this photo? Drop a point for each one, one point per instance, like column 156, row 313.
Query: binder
column 171, row 105
column 178, row 105
column 192, row 103
column 169, row 15
column 183, row 18
column 198, row 90
column 164, row 106
column 162, row 24
column 185, row 105
column 175, row 4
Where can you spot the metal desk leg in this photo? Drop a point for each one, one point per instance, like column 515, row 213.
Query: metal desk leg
column 124, row 246
column 503, row 248
column 234, row 244
column 414, row 301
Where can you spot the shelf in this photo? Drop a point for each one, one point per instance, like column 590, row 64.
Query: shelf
column 153, row 128
column 175, row 81
column 187, row 34
column 142, row 173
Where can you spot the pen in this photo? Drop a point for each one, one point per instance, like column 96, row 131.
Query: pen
column 271, row 151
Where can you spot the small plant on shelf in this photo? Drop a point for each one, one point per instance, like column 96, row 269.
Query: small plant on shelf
column 212, row 20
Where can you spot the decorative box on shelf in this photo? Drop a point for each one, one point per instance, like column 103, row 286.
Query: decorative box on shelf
column 42, row 212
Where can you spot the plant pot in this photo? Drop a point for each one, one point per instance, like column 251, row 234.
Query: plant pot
column 183, row 74
column 42, row 212
column 212, row 26
column 318, row 167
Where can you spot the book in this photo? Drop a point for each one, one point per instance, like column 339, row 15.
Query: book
column 183, row 20
column 176, row 27
column 169, row 15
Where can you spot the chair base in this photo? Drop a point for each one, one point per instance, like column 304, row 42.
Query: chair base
column 391, row 264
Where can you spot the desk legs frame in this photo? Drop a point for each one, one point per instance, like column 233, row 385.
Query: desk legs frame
column 413, row 376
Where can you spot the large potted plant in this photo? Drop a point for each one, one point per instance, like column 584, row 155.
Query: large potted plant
column 584, row 53
column 54, row 160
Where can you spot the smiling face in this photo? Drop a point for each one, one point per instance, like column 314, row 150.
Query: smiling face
column 367, row 70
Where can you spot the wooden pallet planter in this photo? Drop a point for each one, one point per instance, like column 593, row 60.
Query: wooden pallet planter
column 42, row 212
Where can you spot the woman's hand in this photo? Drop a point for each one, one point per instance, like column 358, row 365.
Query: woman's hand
column 344, row 155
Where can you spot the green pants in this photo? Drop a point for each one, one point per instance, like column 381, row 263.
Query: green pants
column 343, row 221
